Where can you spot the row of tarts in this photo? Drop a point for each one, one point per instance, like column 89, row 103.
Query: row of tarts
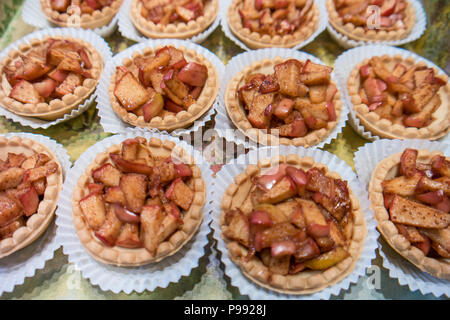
column 291, row 224
column 291, row 220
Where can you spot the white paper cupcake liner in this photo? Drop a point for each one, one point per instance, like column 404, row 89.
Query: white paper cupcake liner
column 226, row 176
column 128, row 30
column 416, row 32
column 321, row 26
column 24, row 263
column 225, row 127
column 348, row 60
column 129, row 279
column 366, row 159
column 86, row 35
column 111, row 122
column 32, row 14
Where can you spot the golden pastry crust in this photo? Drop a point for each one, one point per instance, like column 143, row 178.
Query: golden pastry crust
column 237, row 114
column 387, row 169
column 120, row 256
column 97, row 19
column 170, row 121
column 384, row 128
column 255, row 40
column 38, row 222
column 56, row 108
column 359, row 34
column 179, row 30
column 305, row 282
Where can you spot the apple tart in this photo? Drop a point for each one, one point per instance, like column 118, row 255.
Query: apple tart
column 48, row 78
column 409, row 193
column 292, row 225
column 352, row 18
column 138, row 202
column 284, row 101
column 180, row 19
column 164, row 88
column 30, row 180
column 273, row 23
column 86, row 14
column 398, row 98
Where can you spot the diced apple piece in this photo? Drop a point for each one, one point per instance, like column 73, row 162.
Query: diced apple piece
column 280, row 231
column 282, row 248
column 130, row 166
column 40, row 186
column 58, row 75
column 427, row 184
column 23, row 91
column 318, row 94
column 129, row 236
column 181, row 194
column 107, row 174
column 433, row 197
column 260, row 218
column 29, row 200
column 10, row 210
column 60, row 5
column 193, row 74
column 95, row 188
column 114, row 195
column 130, row 93
column 312, row 214
column 93, row 209
column 283, row 190
column 38, row 173
column 153, row 107
column 124, row 215
column 45, row 87
column 110, row 229
column 8, row 230
column 172, row 106
column 315, row 78
column 70, row 83
column 412, row 213
column 11, row 178
column 15, row 160
column 274, row 212
column 257, row 115
column 134, row 187
column 327, row 259
column 402, row 185
column 287, row 75
column 238, row 227
column 283, row 108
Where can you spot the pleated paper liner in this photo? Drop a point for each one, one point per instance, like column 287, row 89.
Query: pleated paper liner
column 366, row 159
column 15, row 268
column 129, row 279
column 225, row 177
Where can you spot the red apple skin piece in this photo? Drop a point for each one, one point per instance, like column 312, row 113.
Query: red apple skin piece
column 85, row 58
column 317, row 230
column 261, row 218
column 183, row 170
column 29, row 201
column 193, row 74
column 270, row 178
column 408, row 162
column 331, row 92
column 282, row 248
column 153, row 107
column 299, row 128
column 298, row 176
column 93, row 4
column 425, row 246
column 95, row 188
column 388, row 197
column 364, row 71
column 130, row 167
column 60, row 5
column 444, row 205
column 124, row 215
column 45, row 87
column 172, row 106
column 432, row 197
column 58, row 75
column 283, row 108
column 388, row 7
column 331, row 111
column 195, row 93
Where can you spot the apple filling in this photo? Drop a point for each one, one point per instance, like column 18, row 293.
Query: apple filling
column 23, row 181
column 392, row 13
column 172, row 11
column 295, row 99
column 293, row 220
column 161, row 84
column 417, row 200
column 403, row 95
column 137, row 200
column 48, row 72
column 85, row 6
column 274, row 17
